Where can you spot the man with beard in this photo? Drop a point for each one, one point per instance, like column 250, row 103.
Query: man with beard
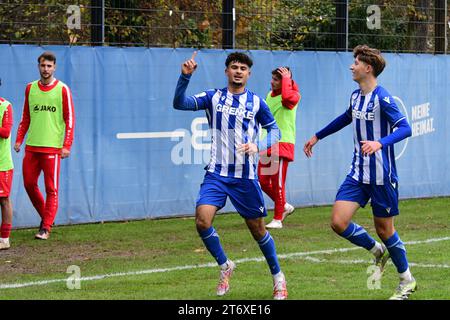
column 48, row 117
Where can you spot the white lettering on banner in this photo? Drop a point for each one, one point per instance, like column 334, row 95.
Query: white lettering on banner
column 422, row 122
column 195, row 146
column 199, row 132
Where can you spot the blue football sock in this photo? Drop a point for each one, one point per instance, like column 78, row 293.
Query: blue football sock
column 397, row 251
column 359, row 236
column 211, row 240
column 267, row 246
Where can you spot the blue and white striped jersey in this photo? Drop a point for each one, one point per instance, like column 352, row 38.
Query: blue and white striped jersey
column 234, row 119
column 375, row 116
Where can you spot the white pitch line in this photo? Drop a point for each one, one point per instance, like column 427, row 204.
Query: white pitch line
column 306, row 256
column 150, row 135
column 412, row 264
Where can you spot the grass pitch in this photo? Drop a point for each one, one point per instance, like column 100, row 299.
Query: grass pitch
column 165, row 259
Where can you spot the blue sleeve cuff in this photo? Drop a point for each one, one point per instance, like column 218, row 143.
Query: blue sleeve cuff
column 403, row 131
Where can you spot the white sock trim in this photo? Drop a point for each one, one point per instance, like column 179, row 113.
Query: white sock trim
column 278, row 277
column 405, row 276
column 377, row 249
column 225, row 265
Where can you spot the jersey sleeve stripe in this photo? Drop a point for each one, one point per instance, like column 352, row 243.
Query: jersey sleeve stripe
column 269, row 124
column 396, row 122
column 196, row 104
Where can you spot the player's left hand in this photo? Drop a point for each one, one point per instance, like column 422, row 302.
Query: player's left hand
column 65, row 153
column 370, row 147
column 249, row 148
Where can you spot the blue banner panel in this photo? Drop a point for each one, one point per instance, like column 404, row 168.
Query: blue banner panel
column 136, row 157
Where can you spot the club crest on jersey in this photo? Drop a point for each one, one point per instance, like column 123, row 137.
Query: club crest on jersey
column 232, row 111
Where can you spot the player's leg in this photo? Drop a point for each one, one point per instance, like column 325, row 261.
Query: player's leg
column 210, row 199
column 6, row 208
column 277, row 189
column 287, row 208
column 51, row 166
column 351, row 196
column 385, row 208
column 248, row 200
column 267, row 246
column 204, row 216
column 271, row 173
column 31, row 169
column 265, row 179
column 5, row 229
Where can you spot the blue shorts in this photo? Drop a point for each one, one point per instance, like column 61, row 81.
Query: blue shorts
column 245, row 194
column 384, row 198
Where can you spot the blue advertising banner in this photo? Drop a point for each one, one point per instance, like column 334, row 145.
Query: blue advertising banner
column 136, row 157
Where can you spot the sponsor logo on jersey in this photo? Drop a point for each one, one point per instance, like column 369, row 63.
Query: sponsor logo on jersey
column 232, row 111
column 38, row 108
column 362, row 115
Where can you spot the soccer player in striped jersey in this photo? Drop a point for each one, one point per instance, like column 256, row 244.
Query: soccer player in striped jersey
column 377, row 125
column 48, row 117
column 234, row 115
column 6, row 172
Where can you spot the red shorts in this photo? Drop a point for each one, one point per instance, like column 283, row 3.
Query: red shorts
column 6, row 178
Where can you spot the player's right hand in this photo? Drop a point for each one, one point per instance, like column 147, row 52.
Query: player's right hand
column 307, row 149
column 284, row 72
column 17, row 147
column 189, row 66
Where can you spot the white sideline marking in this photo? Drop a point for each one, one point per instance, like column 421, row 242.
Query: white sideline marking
column 306, row 256
column 150, row 135
column 412, row 264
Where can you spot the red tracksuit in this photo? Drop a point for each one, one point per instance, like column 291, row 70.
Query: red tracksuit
column 45, row 159
column 6, row 177
column 275, row 185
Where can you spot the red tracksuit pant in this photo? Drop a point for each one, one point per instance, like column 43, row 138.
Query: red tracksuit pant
column 33, row 164
column 274, row 183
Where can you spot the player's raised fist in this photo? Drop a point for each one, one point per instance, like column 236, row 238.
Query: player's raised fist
column 189, row 66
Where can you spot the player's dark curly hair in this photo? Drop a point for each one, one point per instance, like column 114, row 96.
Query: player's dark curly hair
column 239, row 57
column 370, row 56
